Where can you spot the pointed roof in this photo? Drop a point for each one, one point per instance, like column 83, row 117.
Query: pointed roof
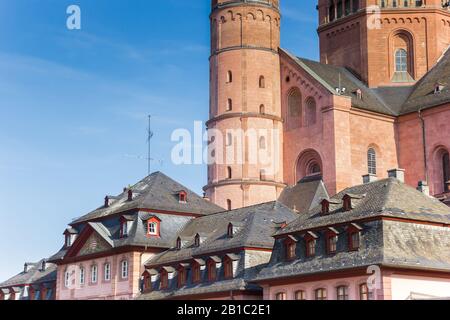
column 388, row 197
column 157, row 192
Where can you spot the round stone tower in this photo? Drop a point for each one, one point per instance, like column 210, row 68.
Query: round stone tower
column 245, row 126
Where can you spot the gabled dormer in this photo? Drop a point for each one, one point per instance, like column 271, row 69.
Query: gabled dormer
column 125, row 224
column 182, row 196
column 349, row 201
column 70, row 236
column 153, row 227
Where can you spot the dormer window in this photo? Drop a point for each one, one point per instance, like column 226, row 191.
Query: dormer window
column 69, row 237
column 197, row 240
column 130, row 195
column 212, row 270
column 124, row 229
column 196, row 272
column 179, row 243
column 68, row 240
column 182, row 197
column 230, row 232
column 181, row 277
column 311, row 243
column 164, row 279
column 347, row 203
column 290, row 245
column 153, row 227
column 147, row 281
column 354, row 237
column 332, row 240
column 325, row 207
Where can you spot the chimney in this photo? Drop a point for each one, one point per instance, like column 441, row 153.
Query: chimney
column 43, row 265
column 369, row 178
column 130, row 195
column 106, row 202
column 424, row 188
column 398, row 174
column 26, row 267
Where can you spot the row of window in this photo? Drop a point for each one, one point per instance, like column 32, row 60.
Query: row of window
column 195, row 272
column 94, row 274
column 342, row 293
column 295, row 108
column 340, row 8
column 331, row 238
column 400, row 3
column 261, row 84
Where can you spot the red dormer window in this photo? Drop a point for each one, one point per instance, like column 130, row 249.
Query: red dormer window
column 182, row 277
column 147, row 281
column 332, row 240
column 212, row 271
column 325, row 207
column 182, row 196
column 354, row 237
column 153, row 227
column 311, row 243
column 347, row 203
column 164, row 281
column 196, row 273
column 228, row 268
column 290, row 247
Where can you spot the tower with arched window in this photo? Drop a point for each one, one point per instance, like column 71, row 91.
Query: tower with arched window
column 245, row 103
column 384, row 42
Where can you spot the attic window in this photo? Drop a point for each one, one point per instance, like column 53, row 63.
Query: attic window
column 153, row 227
column 182, row 196
column 130, row 195
column 197, row 240
column 325, row 207
column 347, row 203
column 438, row 88
column 290, row 247
column 230, row 232
column 332, row 240
column 354, row 237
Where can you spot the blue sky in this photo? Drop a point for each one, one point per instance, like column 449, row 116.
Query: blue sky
column 73, row 105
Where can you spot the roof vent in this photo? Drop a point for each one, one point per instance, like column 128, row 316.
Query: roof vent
column 26, row 267
column 438, row 87
column 43, row 265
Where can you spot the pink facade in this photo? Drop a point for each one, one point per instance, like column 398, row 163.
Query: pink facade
column 119, row 287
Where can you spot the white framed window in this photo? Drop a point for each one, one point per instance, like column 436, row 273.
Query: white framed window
column 82, row 275
column 107, row 272
column 124, row 269
column 94, row 274
column 68, row 240
column 66, row 279
column 124, row 229
column 152, row 228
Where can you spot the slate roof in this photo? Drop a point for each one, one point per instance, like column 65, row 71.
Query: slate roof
column 387, row 197
column 391, row 100
column 255, row 227
column 34, row 275
column 383, row 242
column 304, row 195
column 157, row 192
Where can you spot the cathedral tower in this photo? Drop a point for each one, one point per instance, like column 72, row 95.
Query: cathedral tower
column 384, row 42
column 245, row 126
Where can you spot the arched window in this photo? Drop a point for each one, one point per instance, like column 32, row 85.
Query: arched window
column 262, row 143
column 262, row 175
column 262, row 82
column 321, row 294
column 262, row 109
column 281, row 296
column 446, row 170
column 401, row 60
column 229, row 77
column 230, row 231
column 124, row 269
column 331, row 13
column 342, row 293
column 229, row 105
column 313, row 169
column 311, row 112
column 229, row 173
column 295, row 103
column 229, row 207
column 300, row 295
column 178, row 243
column 372, row 161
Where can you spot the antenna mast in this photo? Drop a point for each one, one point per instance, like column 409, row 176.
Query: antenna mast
column 149, row 141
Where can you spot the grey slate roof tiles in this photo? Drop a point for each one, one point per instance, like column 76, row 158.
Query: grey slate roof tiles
column 34, row 275
column 157, row 192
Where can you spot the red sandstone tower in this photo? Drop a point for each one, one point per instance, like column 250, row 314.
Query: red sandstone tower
column 384, row 42
column 245, row 125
